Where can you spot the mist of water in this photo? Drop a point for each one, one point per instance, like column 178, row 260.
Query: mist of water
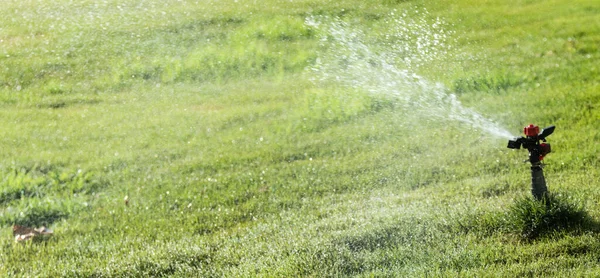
column 386, row 64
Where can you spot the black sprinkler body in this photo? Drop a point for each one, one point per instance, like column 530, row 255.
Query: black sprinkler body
column 537, row 151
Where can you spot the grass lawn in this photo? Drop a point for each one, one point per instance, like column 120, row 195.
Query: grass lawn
column 297, row 138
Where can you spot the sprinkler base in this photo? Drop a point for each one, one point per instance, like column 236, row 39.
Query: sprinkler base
column 538, row 182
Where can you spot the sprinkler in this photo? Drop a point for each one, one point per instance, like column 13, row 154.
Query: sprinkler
column 537, row 151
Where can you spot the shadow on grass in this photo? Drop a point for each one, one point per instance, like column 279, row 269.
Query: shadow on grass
column 533, row 219
column 530, row 219
column 39, row 216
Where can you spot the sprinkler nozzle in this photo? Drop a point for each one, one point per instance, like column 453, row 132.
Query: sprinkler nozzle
column 531, row 142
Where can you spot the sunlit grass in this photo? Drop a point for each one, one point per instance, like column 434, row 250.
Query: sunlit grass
column 234, row 163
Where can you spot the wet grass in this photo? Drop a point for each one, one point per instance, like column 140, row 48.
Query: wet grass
column 234, row 163
column 554, row 213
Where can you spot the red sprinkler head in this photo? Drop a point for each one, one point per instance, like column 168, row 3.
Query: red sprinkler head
column 537, row 150
column 531, row 130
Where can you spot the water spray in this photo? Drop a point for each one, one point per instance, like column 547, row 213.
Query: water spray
column 537, row 151
column 389, row 66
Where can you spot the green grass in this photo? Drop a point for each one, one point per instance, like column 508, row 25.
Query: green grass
column 236, row 164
